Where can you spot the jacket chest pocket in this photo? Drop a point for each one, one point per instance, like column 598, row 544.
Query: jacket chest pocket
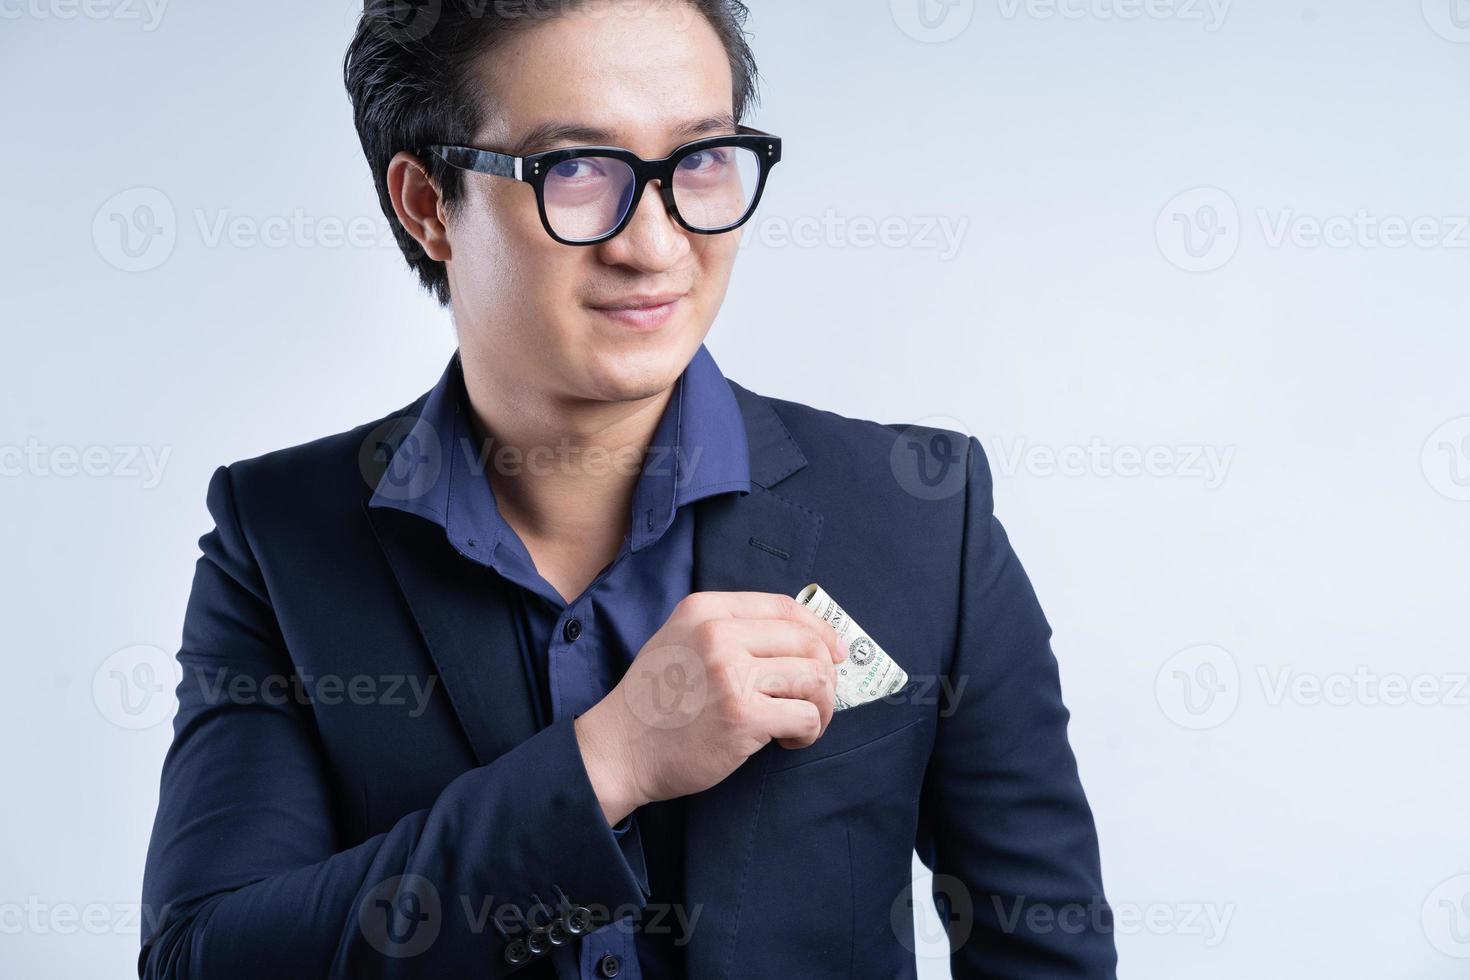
column 852, row 729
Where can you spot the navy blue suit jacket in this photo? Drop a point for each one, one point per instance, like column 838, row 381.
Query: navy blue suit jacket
column 306, row 831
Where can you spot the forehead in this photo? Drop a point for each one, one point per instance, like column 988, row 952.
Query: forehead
column 639, row 71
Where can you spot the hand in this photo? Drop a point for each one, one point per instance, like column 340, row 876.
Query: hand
column 727, row 673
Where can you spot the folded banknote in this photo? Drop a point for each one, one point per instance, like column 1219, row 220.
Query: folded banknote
column 868, row 673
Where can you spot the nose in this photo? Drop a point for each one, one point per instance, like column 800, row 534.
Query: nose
column 653, row 240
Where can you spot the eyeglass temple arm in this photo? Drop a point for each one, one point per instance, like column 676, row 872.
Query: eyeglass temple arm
column 481, row 161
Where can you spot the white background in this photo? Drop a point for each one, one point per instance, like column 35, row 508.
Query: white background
column 1265, row 658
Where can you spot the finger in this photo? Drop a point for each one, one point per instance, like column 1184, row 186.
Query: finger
column 783, row 638
column 773, row 605
column 799, row 677
column 796, row 723
column 794, row 678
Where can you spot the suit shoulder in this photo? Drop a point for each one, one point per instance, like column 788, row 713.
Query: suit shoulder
column 891, row 495
column 819, row 431
column 323, row 468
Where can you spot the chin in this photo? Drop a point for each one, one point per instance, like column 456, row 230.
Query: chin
column 642, row 366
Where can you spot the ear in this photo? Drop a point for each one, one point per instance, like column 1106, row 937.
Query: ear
column 419, row 204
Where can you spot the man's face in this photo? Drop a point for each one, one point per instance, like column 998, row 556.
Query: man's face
column 527, row 307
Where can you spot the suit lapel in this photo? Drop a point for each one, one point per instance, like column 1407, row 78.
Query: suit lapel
column 760, row 542
column 467, row 616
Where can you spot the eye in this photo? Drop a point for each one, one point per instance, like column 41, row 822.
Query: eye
column 582, row 168
column 705, row 160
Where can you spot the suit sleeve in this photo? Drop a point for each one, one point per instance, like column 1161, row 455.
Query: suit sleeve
column 630, row 839
column 245, row 873
column 1004, row 823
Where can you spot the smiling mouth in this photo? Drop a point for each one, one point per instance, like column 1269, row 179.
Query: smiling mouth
column 644, row 315
column 649, row 302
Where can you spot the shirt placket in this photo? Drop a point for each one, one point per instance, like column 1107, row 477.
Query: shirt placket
column 576, row 682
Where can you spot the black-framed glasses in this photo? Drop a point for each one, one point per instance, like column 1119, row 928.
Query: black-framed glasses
column 588, row 194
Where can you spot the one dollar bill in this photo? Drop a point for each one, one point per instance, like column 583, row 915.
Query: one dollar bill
column 868, row 673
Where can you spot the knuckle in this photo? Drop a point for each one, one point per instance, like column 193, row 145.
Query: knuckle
column 738, row 712
column 725, row 683
column 813, row 722
column 738, row 686
column 710, row 635
column 692, row 604
column 817, row 648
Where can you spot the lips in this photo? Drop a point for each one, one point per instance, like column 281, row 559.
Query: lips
column 645, row 302
column 643, row 314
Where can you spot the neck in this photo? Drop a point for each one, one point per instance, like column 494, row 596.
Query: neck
column 563, row 468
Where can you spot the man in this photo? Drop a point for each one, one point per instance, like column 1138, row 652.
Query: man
column 511, row 682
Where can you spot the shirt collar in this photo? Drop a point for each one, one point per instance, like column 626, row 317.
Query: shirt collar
column 436, row 468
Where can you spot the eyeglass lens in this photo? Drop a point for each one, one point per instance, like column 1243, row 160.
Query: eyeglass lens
column 587, row 197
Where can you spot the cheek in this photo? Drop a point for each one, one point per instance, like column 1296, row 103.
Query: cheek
column 716, row 256
column 506, row 260
column 508, row 211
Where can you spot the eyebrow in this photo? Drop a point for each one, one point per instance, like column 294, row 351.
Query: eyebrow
column 547, row 133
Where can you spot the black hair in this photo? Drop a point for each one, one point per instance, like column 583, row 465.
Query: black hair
column 408, row 71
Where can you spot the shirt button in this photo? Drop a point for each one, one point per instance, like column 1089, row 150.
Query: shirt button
column 571, row 631
column 609, row 966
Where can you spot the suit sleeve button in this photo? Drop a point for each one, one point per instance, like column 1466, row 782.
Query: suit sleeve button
column 517, row 953
column 578, row 920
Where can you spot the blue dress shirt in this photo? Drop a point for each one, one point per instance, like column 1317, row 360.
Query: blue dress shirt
column 580, row 649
